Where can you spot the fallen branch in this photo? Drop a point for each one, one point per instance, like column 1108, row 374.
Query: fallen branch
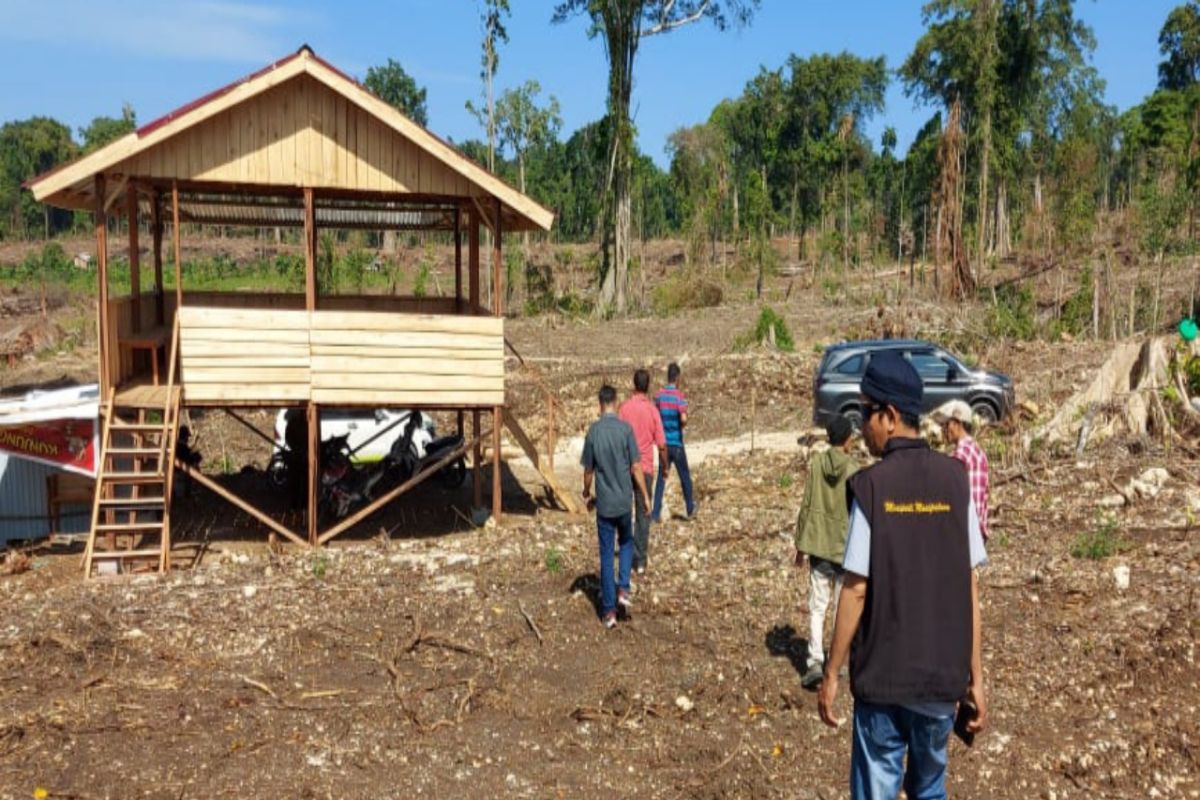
column 262, row 687
column 529, row 621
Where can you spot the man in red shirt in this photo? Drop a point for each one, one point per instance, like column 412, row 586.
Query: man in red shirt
column 642, row 415
column 958, row 426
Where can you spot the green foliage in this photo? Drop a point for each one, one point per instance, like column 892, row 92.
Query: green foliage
column 1179, row 43
column 553, row 560
column 29, row 148
column 352, row 270
column 770, row 327
column 326, row 266
column 784, row 481
column 320, row 564
column 522, row 124
column 1101, row 542
column 1075, row 317
column 391, row 84
column 103, row 130
column 1014, row 314
column 424, row 273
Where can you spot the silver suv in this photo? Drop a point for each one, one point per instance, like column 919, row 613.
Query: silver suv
column 836, row 383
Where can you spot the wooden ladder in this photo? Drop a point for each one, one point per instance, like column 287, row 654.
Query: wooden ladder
column 131, row 512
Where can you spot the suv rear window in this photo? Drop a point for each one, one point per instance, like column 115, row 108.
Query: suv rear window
column 851, row 366
column 929, row 365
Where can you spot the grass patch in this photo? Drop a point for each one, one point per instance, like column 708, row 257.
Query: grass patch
column 320, row 564
column 554, row 560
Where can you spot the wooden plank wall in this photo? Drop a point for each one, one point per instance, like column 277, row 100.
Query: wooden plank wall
column 407, row 359
column 246, row 355
column 236, row 356
column 299, row 133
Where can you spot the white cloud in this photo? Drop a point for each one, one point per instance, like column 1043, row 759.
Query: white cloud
column 207, row 30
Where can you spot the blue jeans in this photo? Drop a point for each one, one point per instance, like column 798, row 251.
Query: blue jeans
column 678, row 456
column 622, row 528
column 882, row 734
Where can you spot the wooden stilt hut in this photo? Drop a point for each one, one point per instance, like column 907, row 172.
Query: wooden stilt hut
column 296, row 144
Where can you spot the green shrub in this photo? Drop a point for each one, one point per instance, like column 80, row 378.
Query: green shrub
column 424, row 272
column 1014, row 314
column 352, row 270
column 684, row 290
column 1099, row 543
column 769, row 326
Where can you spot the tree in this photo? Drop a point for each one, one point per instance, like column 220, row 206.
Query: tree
column 492, row 17
column 522, row 124
column 623, row 24
column 1016, row 66
column 28, row 148
column 391, row 84
column 103, row 130
column 1179, row 42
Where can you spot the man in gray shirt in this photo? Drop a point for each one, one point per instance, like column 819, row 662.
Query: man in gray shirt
column 611, row 459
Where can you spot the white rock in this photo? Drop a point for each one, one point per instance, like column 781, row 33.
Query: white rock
column 684, row 704
column 249, row 591
column 1121, row 576
column 1111, row 501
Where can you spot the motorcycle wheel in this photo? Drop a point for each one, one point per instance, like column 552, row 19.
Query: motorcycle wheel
column 453, row 474
column 277, row 472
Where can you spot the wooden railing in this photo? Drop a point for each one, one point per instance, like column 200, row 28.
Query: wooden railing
column 246, row 356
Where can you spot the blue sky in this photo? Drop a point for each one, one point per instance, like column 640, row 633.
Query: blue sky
column 75, row 59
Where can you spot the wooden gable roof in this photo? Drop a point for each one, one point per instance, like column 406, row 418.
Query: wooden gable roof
column 297, row 123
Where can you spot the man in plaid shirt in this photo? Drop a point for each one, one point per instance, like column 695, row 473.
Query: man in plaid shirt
column 958, row 423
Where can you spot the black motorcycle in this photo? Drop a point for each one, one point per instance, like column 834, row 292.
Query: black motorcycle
column 344, row 484
column 405, row 462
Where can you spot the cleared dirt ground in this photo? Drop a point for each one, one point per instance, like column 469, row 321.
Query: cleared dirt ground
column 444, row 662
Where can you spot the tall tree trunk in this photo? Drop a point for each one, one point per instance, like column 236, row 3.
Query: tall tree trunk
column 1002, row 234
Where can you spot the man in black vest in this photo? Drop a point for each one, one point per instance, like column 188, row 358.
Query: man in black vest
column 908, row 614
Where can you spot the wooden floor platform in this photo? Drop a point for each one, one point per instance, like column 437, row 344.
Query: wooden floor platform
column 139, row 394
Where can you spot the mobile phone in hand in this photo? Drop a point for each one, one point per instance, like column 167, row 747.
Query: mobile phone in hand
column 966, row 714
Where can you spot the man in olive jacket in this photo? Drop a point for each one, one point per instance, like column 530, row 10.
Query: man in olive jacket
column 821, row 528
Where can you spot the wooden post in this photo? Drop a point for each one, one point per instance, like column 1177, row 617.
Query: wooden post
column 314, row 468
column 313, row 413
column 473, row 259
column 473, row 299
column 135, row 261
column 310, row 251
column 497, row 262
column 497, row 424
column 178, row 246
column 476, row 461
column 458, row 261
column 156, row 229
column 497, row 411
column 100, row 218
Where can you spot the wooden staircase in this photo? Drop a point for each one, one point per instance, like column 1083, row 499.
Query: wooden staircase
column 131, row 513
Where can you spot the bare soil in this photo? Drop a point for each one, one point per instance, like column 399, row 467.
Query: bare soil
column 420, row 657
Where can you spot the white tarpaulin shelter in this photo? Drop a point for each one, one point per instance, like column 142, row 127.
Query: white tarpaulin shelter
column 44, row 434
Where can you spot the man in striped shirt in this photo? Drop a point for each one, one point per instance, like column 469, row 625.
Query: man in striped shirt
column 673, row 408
column 958, row 425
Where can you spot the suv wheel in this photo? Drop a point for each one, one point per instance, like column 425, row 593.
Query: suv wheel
column 985, row 411
column 854, row 414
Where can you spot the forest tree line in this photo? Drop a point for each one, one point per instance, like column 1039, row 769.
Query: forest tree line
column 1020, row 152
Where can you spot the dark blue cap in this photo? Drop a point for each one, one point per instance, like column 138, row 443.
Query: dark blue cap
column 891, row 380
